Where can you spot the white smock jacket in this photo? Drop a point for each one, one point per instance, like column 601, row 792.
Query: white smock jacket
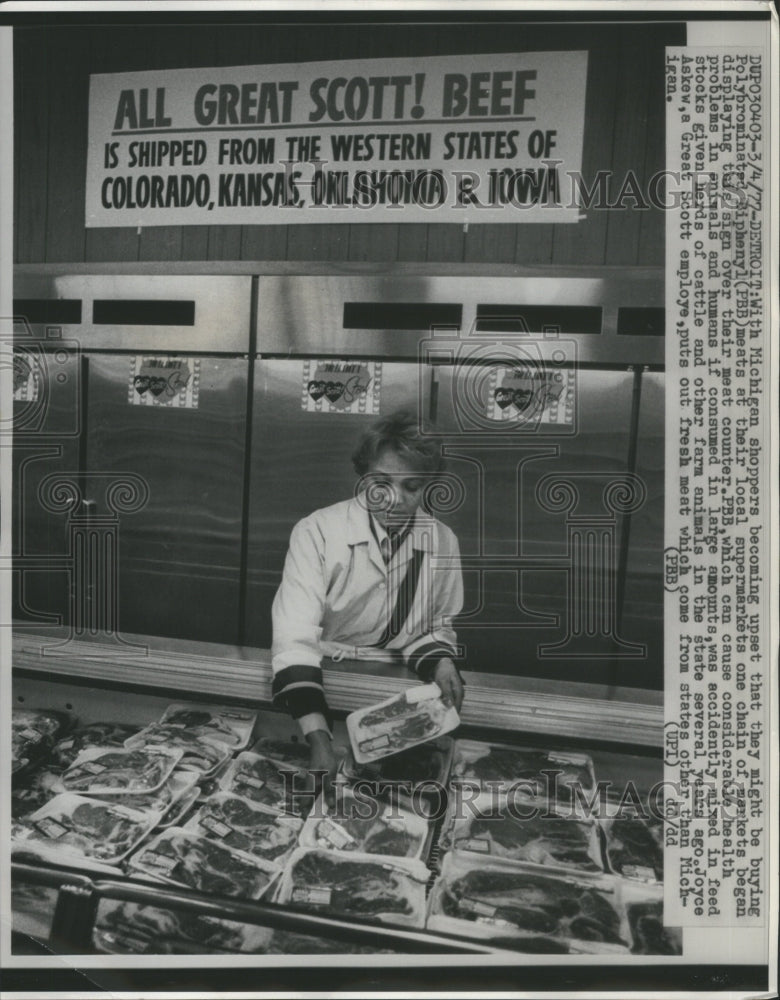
column 338, row 597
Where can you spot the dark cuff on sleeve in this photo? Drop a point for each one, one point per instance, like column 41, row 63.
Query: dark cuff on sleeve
column 425, row 659
column 298, row 690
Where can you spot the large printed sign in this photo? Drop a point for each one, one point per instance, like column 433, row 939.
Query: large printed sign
column 492, row 138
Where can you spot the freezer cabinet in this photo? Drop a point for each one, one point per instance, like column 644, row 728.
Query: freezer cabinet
column 540, row 526
column 180, row 554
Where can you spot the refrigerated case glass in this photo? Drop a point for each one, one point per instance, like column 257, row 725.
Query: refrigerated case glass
column 180, row 555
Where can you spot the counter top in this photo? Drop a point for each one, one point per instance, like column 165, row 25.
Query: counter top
column 495, row 701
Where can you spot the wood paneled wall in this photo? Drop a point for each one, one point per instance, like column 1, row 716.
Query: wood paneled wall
column 624, row 128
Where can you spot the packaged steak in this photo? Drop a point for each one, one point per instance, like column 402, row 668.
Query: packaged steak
column 365, row 825
column 356, row 885
column 410, row 718
column 38, row 788
column 426, row 763
column 33, row 731
column 197, row 754
column 181, row 857
column 133, row 929
column 231, row 726
column 267, row 783
column 96, row 734
column 585, row 912
column 521, row 828
column 76, row 828
column 500, row 769
column 237, row 823
column 645, row 913
column 635, row 847
column 162, row 801
column 120, row 772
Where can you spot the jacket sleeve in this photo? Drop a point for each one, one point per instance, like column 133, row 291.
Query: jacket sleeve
column 297, row 626
column 445, row 585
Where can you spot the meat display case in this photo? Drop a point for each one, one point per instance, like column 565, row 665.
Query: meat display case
column 55, row 907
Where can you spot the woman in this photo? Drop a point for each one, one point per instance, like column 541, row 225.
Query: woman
column 374, row 578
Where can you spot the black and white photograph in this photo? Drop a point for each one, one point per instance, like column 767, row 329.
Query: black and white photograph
column 389, row 457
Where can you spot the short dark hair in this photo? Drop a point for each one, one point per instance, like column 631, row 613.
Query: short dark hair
column 398, row 432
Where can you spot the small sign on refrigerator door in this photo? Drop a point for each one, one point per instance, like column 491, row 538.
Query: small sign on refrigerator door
column 164, row 381
column 341, row 387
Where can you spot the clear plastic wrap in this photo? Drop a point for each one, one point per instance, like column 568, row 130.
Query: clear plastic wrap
column 198, row 754
column 406, row 720
column 584, row 912
column 228, row 725
column 356, row 885
column 237, row 823
column 635, row 847
column 33, row 731
column 120, row 772
column 181, row 857
column 72, row 828
column 97, row 734
column 499, row 768
column 521, row 829
column 365, row 826
column 266, row 782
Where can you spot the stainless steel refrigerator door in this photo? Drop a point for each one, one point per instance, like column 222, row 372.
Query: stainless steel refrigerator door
column 300, row 461
column 47, row 424
column 532, row 502
column 180, row 556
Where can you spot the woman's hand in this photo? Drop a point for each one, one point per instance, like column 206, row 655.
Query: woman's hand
column 322, row 757
column 446, row 676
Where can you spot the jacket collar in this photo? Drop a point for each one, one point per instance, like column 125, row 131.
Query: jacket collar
column 359, row 527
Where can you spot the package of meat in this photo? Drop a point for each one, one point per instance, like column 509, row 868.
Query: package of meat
column 33, row 731
column 583, row 911
column 356, row 885
column 498, row 936
column 138, row 929
column 181, row 857
column 410, row 718
column 161, row 802
column 267, row 783
column 365, row 825
column 32, row 909
column 520, row 828
column 75, row 828
column 501, row 769
column 235, row 822
column 635, row 847
column 227, row 725
column 198, row 754
column 645, row 912
column 96, row 734
column 428, row 763
column 120, row 772
column 38, row 788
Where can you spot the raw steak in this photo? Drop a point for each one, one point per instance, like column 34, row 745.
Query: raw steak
column 649, row 935
column 340, row 885
column 534, row 903
column 39, row 789
column 232, row 821
column 263, row 781
column 103, row 832
column 200, row 755
column 32, row 731
column 634, row 848
column 98, row 734
column 136, row 771
column 512, row 766
column 229, row 726
column 180, row 856
column 541, row 839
